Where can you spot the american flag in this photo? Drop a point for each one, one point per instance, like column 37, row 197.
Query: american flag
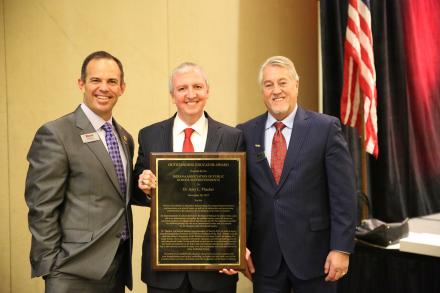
column 360, row 75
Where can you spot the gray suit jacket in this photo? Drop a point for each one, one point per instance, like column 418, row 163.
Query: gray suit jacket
column 76, row 207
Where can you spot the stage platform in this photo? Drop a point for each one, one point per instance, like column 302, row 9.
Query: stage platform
column 410, row 267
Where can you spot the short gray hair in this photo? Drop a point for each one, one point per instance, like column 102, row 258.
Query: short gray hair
column 185, row 67
column 278, row 61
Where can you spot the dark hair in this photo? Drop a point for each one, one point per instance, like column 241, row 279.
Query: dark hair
column 100, row 55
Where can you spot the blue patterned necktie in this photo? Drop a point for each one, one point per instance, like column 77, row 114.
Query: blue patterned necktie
column 113, row 150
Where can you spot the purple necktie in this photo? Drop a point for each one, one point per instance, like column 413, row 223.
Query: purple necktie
column 113, row 150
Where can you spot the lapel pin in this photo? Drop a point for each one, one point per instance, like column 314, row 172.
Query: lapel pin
column 261, row 156
column 257, row 145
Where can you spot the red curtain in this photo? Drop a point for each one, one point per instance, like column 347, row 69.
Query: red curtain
column 422, row 46
column 405, row 179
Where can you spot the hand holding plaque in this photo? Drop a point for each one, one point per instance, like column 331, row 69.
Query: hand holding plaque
column 147, row 182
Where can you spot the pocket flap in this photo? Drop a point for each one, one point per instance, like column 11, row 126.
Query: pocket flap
column 77, row 236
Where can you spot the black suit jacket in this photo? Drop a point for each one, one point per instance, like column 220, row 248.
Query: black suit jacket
column 158, row 138
column 312, row 210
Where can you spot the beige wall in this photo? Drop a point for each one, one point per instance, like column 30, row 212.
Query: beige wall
column 43, row 42
column 5, row 240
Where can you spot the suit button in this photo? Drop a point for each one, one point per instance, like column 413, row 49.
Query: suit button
column 118, row 235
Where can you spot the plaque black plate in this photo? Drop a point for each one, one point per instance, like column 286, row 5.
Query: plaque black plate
column 198, row 211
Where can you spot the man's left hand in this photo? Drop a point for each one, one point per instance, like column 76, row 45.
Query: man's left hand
column 250, row 269
column 336, row 265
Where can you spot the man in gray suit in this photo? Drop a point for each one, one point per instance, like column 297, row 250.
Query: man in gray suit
column 189, row 130
column 78, row 191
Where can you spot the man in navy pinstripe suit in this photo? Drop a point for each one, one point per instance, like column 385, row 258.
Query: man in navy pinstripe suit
column 302, row 223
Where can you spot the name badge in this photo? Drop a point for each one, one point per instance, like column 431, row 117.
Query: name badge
column 89, row 137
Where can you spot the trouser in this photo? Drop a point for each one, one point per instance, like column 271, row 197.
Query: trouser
column 187, row 288
column 285, row 282
column 113, row 281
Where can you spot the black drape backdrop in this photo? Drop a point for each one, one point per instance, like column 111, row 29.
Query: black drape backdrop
column 405, row 180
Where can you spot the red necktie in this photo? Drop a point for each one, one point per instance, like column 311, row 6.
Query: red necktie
column 279, row 149
column 187, row 144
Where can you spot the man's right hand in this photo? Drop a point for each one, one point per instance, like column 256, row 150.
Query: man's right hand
column 250, row 269
column 147, row 181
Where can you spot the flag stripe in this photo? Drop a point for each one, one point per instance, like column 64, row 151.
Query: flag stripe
column 360, row 75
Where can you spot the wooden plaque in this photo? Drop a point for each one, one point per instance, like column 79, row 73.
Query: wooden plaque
column 198, row 211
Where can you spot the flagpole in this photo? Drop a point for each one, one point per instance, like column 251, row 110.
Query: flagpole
column 359, row 87
column 365, row 207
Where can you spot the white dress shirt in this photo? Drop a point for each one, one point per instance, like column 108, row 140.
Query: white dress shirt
column 270, row 132
column 198, row 137
column 97, row 123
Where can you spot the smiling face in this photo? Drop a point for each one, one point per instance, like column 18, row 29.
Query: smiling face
column 190, row 94
column 102, row 86
column 280, row 91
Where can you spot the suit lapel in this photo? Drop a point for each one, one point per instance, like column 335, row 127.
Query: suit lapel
column 214, row 135
column 97, row 147
column 123, row 138
column 166, row 135
column 258, row 148
column 299, row 133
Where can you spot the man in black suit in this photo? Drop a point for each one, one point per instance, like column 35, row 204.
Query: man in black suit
column 300, row 190
column 190, row 129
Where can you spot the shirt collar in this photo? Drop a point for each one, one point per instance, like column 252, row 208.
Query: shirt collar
column 288, row 121
column 95, row 119
column 199, row 126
